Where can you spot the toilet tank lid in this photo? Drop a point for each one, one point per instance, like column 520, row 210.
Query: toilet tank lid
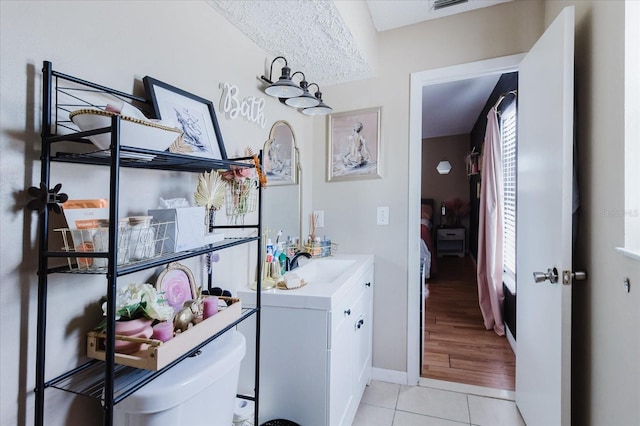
column 189, row 377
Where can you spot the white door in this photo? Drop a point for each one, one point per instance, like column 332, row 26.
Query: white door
column 544, row 223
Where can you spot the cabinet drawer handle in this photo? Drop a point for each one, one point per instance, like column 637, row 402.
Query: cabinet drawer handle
column 347, row 311
column 367, row 284
column 360, row 324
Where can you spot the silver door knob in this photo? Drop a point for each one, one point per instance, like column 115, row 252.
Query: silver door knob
column 551, row 275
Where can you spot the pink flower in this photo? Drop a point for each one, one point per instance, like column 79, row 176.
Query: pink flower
column 239, row 174
column 245, row 173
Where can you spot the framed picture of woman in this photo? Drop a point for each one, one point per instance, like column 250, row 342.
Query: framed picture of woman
column 193, row 115
column 354, row 145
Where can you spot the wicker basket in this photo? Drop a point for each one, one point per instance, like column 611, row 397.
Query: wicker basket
column 321, row 249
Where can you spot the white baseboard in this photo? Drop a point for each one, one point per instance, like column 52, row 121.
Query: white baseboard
column 389, row 376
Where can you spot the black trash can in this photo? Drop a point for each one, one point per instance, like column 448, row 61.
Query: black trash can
column 280, row 422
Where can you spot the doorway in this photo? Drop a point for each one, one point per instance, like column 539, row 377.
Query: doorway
column 544, row 222
column 418, row 81
column 456, row 345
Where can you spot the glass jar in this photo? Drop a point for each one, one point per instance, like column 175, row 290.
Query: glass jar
column 101, row 242
column 124, row 234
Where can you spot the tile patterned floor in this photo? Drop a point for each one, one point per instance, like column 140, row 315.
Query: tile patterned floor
column 436, row 403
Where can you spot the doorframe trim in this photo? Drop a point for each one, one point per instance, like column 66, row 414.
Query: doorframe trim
column 420, row 79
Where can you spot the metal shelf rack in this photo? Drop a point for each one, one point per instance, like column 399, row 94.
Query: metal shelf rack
column 106, row 380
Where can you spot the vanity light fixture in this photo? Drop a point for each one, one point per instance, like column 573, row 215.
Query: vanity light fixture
column 295, row 95
column 284, row 87
column 444, row 167
column 305, row 100
column 321, row 108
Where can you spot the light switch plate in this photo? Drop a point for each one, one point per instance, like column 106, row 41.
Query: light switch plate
column 383, row 216
column 318, row 216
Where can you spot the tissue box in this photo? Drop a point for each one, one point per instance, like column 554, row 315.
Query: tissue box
column 185, row 227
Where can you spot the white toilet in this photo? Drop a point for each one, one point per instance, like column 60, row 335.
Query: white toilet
column 199, row 391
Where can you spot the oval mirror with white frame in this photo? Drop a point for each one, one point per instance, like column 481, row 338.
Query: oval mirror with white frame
column 282, row 198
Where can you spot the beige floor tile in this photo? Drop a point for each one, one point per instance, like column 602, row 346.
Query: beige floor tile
column 403, row 418
column 434, row 402
column 370, row 415
column 381, row 394
column 493, row 412
column 468, row 389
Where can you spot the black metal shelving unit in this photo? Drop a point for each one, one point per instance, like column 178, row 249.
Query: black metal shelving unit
column 105, row 380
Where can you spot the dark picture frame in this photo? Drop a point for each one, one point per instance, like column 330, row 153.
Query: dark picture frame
column 192, row 114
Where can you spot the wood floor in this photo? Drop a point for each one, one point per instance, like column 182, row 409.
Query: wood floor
column 457, row 348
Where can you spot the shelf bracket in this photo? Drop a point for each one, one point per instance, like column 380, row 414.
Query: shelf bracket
column 49, row 198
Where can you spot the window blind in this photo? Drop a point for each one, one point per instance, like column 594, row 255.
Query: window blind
column 508, row 133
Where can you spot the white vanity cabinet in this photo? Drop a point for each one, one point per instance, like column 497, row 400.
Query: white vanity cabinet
column 350, row 351
column 315, row 349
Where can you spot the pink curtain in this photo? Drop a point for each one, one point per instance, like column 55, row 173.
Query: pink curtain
column 490, row 227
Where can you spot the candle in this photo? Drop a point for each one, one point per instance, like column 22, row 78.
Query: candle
column 210, row 307
column 163, row 331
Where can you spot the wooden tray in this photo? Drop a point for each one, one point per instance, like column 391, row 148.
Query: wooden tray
column 155, row 354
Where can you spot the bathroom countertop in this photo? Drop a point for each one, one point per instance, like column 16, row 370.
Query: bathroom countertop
column 316, row 294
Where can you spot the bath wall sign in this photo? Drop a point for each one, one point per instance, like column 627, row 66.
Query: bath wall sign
column 250, row 108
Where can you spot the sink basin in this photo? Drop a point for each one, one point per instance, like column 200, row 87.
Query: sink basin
column 324, row 270
column 328, row 280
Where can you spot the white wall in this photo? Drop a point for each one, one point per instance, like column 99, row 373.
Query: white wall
column 632, row 125
column 186, row 44
column 350, row 207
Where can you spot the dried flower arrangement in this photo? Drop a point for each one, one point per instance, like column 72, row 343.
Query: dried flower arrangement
column 210, row 194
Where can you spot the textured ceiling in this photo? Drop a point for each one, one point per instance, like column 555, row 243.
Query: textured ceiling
column 315, row 39
column 311, row 35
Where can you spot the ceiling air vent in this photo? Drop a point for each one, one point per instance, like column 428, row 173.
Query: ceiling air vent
column 441, row 4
